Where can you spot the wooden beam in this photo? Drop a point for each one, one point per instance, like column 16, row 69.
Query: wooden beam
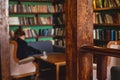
column 4, row 41
column 71, row 44
column 101, row 51
column 79, row 31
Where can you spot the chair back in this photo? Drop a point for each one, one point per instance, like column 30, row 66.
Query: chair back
column 18, row 70
column 13, row 58
column 115, row 45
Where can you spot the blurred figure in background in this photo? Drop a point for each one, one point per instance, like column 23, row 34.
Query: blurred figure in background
column 23, row 50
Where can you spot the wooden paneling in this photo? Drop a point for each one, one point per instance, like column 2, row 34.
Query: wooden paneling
column 79, row 31
column 4, row 42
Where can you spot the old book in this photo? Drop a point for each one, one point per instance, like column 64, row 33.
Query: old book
column 14, row 21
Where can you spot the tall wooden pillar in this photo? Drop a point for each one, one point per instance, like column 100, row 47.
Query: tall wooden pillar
column 79, row 31
column 4, row 42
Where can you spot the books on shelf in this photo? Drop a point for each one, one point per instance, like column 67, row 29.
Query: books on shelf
column 59, row 31
column 13, row 21
column 46, row 32
column 31, row 8
column 45, row 20
column 60, row 42
column 106, row 18
column 106, row 3
column 38, row 14
column 29, row 33
column 30, row 20
column 106, row 34
column 58, row 19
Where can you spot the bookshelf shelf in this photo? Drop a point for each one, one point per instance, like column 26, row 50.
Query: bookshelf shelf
column 37, row 13
column 106, row 25
column 106, row 19
column 101, row 40
column 107, row 9
column 59, row 26
column 52, row 1
column 44, row 36
column 30, row 37
column 42, row 25
column 60, row 37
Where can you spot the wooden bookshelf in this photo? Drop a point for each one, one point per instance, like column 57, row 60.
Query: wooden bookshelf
column 106, row 18
column 37, row 15
column 106, row 9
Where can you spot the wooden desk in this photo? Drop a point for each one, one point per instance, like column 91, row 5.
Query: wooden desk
column 58, row 59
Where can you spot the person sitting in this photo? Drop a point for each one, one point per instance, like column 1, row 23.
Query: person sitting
column 23, row 50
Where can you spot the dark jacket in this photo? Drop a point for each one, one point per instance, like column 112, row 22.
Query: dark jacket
column 24, row 50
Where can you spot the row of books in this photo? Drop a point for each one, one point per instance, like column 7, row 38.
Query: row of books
column 106, row 3
column 29, row 33
column 60, row 42
column 46, row 32
column 30, row 20
column 59, row 32
column 59, row 19
column 45, row 20
column 21, row 8
column 103, row 34
column 105, row 18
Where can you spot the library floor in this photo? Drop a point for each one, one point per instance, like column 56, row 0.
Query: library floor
column 48, row 75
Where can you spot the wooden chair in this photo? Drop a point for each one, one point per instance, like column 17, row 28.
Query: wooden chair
column 21, row 68
column 114, row 63
column 113, row 60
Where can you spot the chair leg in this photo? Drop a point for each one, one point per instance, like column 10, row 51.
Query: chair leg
column 18, row 79
column 37, row 77
column 37, row 72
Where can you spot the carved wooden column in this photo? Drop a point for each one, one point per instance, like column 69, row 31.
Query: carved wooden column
column 4, row 42
column 79, row 31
